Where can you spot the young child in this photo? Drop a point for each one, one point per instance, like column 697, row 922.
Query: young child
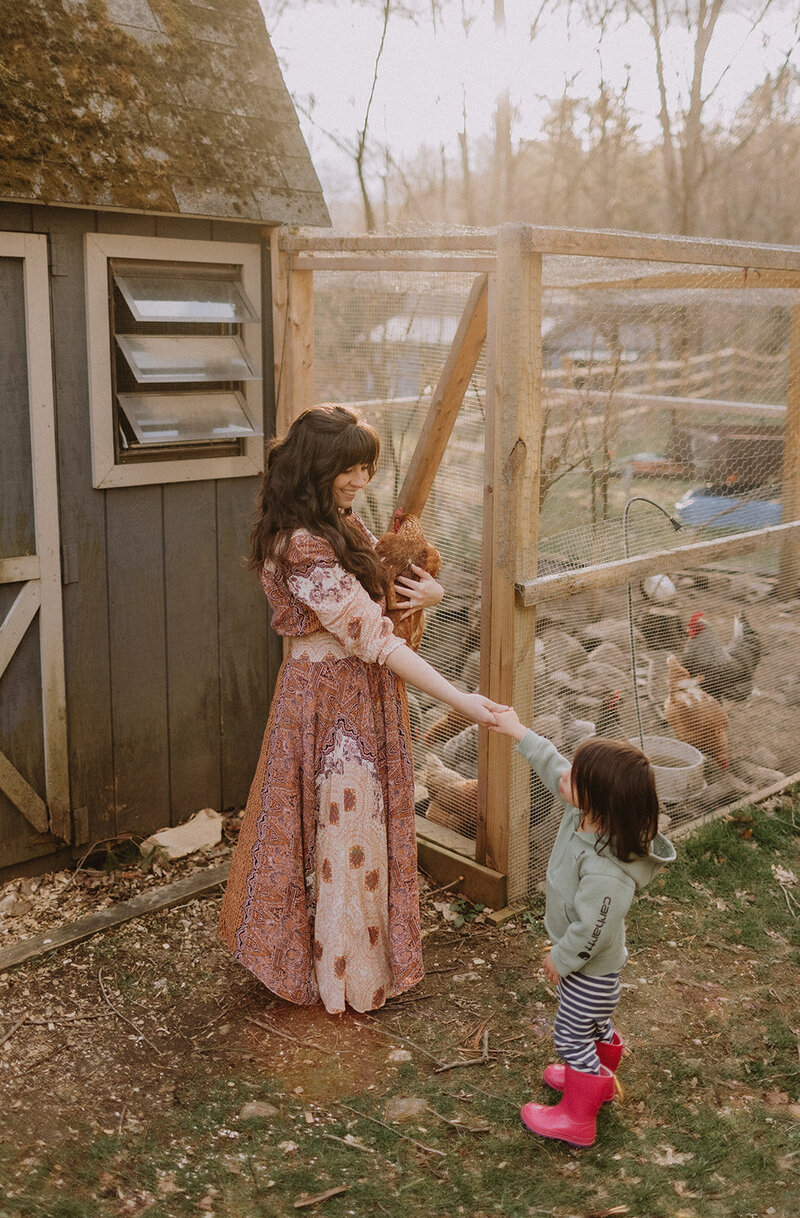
column 608, row 845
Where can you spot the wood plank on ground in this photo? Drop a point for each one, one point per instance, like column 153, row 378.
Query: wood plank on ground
column 166, row 896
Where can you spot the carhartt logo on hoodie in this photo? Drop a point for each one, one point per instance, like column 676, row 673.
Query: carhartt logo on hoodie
column 595, row 935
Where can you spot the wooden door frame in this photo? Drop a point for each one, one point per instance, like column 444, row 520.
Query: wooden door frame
column 40, row 573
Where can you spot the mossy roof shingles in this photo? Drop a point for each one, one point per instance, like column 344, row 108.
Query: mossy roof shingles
column 151, row 105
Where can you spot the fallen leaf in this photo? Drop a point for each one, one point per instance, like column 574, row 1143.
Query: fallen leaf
column 405, row 1108
column 288, row 1148
column 776, row 1099
column 258, row 1108
column 671, row 1157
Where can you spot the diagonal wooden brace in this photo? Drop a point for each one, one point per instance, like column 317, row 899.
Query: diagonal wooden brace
column 446, row 401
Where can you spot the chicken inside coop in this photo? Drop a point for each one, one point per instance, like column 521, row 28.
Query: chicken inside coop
column 724, row 672
column 694, row 715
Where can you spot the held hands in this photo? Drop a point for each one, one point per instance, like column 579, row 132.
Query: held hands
column 414, row 594
column 508, row 724
column 480, row 710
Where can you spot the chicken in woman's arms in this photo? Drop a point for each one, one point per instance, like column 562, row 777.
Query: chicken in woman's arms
column 409, row 559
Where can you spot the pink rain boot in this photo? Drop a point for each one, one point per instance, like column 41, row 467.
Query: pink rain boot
column 609, row 1052
column 574, row 1119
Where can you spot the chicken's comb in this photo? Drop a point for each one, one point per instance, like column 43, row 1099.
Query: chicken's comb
column 397, row 519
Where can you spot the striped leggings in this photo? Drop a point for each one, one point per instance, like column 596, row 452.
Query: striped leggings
column 585, row 1007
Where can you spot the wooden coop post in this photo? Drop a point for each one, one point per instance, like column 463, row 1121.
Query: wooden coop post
column 511, row 521
column 790, row 498
column 293, row 329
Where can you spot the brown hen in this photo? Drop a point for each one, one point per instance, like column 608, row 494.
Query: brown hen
column 404, row 545
column 694, row 716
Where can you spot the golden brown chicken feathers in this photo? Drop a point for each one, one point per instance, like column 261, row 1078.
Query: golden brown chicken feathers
column 694, row 716
column 405, row 545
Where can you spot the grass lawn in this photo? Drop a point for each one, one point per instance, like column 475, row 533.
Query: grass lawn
column 124, row 1089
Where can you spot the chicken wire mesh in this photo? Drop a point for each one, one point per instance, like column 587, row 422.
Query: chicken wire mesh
column 381, row 339
column 666, row 384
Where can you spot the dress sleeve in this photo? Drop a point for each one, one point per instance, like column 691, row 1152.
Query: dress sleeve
column 341, row 603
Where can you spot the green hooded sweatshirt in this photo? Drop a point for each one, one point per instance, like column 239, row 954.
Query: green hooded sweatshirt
column 588, row 892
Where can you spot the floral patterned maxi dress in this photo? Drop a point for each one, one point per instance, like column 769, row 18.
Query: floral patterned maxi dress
column 322, row 900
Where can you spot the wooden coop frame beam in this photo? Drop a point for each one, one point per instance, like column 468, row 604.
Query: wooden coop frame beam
column 790, row 477
column 544, row 239
column 511, row 498
column 532, row 592
column 446, row 401
column 666, row 402
column 458, row 263
column 293, row 334
column 720, row 281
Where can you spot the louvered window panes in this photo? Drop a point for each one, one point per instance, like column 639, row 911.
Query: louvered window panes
column 165, row 298
column 183, row 373
column 177, row 358
column 170, row 418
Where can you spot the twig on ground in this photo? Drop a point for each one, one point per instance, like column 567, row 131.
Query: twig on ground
column 116, row 1011
column 478, row 1061
column 460, row 1125
column 396, row 1036
column 408, row 1002
column 43, row 1023
column 368, row 1150
column 429, row 1150
column 307, row 1044
column 302, row 1201
column 7, row 1035
column 445, row 887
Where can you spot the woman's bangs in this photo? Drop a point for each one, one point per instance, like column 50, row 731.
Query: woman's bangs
column 361, row 446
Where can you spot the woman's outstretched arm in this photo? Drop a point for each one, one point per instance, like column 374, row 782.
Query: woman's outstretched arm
column 416, row 671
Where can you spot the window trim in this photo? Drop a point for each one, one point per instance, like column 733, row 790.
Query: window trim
column 106, row 471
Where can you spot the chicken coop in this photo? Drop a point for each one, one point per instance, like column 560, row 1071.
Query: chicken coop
column 601, row 434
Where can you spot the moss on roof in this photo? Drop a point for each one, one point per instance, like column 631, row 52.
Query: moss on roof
column 154, row 105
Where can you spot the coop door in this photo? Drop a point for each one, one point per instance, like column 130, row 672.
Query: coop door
column 34, row 800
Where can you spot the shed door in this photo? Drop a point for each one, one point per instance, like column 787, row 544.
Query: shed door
column 34, row 784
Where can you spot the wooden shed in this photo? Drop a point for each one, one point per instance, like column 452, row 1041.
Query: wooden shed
column 149, row 147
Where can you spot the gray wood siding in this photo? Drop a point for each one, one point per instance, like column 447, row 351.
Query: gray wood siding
column 193, row 676
column 169, row 660
column 245, row 685
column 83, row 532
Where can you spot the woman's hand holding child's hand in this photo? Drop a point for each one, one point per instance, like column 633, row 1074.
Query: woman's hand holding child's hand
column 508, row 724
column 550, row 969
column 480, row 710
column 414, row 594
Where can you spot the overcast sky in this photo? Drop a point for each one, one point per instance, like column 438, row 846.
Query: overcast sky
column 327, row 53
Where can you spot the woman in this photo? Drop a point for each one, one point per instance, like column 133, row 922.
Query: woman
column 322, row 900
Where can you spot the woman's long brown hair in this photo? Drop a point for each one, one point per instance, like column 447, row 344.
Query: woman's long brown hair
column 297, row 492
column 614, row 783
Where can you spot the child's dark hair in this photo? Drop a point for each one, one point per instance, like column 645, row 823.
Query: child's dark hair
column 297, row 492
column 614, row 783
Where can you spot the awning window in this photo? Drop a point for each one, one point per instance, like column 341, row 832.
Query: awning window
column 174, row 418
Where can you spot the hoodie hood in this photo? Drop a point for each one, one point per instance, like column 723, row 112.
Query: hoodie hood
column 642, row 870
